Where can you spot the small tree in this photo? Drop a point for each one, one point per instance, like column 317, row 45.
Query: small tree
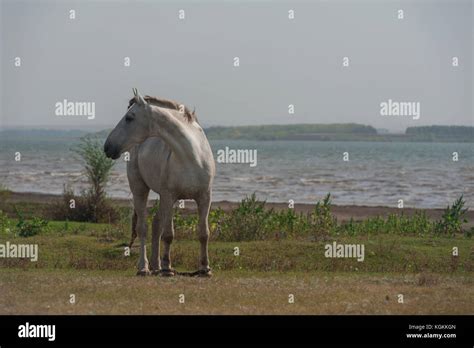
column 97, row 166
column 92, row 205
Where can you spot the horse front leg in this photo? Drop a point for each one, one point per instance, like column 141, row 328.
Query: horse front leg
column 139, row 202
column 204, row 205
column 167, row 233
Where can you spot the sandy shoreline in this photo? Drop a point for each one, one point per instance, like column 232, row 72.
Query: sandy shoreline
column 342, row 212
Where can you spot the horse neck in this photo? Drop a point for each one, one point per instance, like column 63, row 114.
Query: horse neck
column 173, row 131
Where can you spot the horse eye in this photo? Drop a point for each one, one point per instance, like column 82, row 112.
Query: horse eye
column 129, row 118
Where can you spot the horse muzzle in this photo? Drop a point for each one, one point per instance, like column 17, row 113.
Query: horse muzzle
column 111, row 151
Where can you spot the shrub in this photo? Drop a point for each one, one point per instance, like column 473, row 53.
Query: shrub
column 28, row 228
column 4, row 222
column 453, row 218
column 97, row 166
column 469, row 233
column 252, row 221
column 322, row 221
column 216, row 221
column 249, row 221
column 84, row 208
column 92, row 205
column 284, row 224
column 185, row 225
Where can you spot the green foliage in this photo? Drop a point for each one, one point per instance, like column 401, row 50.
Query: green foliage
column 29, row 228
column 85, row 208
column 216, row 220
column 249, row 221
column 4, row 222
column 418, row 224
column 284, row 224
column 185, row 226
column 154, row 209
column 453, row 218
column 322, row 220
column 469, row 233
column 97, row 166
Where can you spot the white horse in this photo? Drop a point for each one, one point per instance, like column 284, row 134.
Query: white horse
column 169, row 154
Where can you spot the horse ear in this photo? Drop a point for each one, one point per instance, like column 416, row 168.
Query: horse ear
column 139, row 98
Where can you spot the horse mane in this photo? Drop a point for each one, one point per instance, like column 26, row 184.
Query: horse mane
column 189, row 115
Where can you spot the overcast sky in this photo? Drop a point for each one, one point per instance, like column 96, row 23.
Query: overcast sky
column 282, row 61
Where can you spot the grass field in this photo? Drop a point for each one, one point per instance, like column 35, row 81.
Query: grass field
column 40, row 291
column 88, row 260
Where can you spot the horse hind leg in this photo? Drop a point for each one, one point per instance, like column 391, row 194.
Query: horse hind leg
column 134, row 229
column 155, row 245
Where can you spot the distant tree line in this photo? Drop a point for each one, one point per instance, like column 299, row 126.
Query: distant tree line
column 440, row 132
column 341, row 132
column 276, row 132
column 335, row 132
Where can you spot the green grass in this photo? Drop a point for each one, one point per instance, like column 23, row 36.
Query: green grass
column 73, row 245
column 280, row 253
column 268, row 241
column 252, row 220
column 87, row 260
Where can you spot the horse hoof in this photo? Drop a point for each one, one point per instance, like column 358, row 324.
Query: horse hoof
column 167, row 273
column 156, row 272
column 205, row 273
column 143, row 272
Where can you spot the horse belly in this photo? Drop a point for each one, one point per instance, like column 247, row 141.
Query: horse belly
column 162, row 171
column 186, row 183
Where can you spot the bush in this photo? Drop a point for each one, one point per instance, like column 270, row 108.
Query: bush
column 97, row 164
column 92, row 205
column 185, row 226
column 322, row 221
column 453, row 218
column 285, row 224
column 26, row 228
column 4, row 222
column 249, row 221
column 84, row 208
